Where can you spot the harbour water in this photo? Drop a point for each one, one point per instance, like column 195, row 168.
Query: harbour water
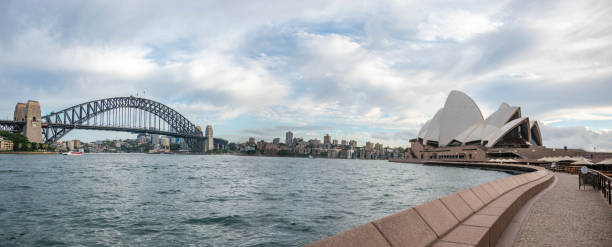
column 223, row 200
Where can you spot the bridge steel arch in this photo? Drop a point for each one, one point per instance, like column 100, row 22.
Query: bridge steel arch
column 57, row 124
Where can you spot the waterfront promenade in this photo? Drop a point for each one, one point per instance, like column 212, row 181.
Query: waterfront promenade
column 566, row 216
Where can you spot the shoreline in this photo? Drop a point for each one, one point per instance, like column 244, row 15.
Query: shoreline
column 26, row 152
column 476, row 216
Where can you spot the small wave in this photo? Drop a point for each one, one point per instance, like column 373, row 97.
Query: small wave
column 49, row 242
column 269, row 244
column 9, row 171
column 223, row 220
column 20, row 187
column 296, row 227
column 165, row 192
column 144, row 231
column 210, row 199
column 330, row 217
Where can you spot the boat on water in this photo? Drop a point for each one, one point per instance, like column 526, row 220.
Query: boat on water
column 80, row 152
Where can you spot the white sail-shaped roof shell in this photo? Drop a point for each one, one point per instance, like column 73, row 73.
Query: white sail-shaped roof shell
column 482, row 129
column 460, row 119
column 431, row 130
column 460, row 112
column 501, row 132
column 535, row 133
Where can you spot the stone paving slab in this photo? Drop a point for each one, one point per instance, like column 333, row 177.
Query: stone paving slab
column 566, row 216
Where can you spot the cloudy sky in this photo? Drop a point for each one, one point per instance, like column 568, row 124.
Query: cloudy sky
column 364, row 70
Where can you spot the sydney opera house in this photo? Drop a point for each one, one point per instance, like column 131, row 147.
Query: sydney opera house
column 459, row 131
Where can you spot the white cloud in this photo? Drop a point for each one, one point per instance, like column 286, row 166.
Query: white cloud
column 596, row 113
column 456, row 25
column 37, row 48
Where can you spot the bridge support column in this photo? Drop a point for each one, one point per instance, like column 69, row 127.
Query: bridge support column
column 30, row 112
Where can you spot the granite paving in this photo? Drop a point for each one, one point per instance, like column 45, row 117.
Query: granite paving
column 566, row 216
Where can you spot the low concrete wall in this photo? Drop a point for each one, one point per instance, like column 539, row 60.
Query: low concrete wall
column 473, row 217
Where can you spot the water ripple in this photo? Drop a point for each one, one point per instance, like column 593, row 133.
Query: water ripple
column 220, row 200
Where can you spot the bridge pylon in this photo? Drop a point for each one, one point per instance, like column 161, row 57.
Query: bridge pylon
column 31, row 115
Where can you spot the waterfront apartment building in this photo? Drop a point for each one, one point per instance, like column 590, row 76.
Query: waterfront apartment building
column 289, row 138
column 73, row 144
column 165, row 142
column 5, row 144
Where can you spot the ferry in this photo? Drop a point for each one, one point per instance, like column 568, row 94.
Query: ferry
column 80, row 152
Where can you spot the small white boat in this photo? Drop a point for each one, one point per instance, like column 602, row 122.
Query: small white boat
column 80, row 152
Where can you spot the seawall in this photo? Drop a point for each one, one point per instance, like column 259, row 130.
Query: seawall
column 476, row 216
column 19, row 152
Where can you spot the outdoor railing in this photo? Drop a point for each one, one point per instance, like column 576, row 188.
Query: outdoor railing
column 599, row 181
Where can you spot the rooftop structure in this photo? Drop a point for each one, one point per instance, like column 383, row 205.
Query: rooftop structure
column 461, row 123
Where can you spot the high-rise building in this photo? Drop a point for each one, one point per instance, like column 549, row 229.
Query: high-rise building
column 378, row 146
column 369, row 146
column 353, row 143
column 252, row 140
column 142, row 139
column 154, row 139
column 276, row 141
column 343, row 142
column 327, row 139
column 165, row 142
column 289, row 138
column 335, row 142
column 208, row 146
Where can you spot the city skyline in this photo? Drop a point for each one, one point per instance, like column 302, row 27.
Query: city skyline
column 370, row 71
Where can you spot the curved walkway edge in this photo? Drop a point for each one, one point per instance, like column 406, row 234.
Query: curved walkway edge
column 476, row 216
column 566, row 216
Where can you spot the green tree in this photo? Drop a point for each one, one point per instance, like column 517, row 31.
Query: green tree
column 232, row 146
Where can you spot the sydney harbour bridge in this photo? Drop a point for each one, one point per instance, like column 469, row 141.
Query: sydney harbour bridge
column 125, row 114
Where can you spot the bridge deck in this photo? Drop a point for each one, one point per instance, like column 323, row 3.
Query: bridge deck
column 566, row 216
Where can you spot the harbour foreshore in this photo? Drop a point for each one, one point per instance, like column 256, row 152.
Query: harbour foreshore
column 24, row 152
column 476, row 216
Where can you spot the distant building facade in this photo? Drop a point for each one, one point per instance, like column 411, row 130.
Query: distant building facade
column 289, row 138
column 326, row 139
column 5, row 144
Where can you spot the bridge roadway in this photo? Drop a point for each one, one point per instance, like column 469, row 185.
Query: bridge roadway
column 125, row 129
column 565, row 216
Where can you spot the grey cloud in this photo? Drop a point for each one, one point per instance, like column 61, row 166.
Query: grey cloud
column 425, row 70
column 577, row 137
column 280, row 130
